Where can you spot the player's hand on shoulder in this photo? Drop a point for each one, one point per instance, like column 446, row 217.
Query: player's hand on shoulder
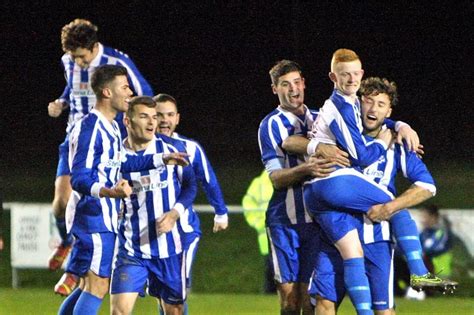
column 55, row 108
column 176, row 158
column 405, row 132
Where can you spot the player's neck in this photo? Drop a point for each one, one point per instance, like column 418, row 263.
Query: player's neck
column 136, row 144
column 107, row 110
column 372, row 133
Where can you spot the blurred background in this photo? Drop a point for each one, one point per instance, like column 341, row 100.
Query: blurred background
column 214, row 58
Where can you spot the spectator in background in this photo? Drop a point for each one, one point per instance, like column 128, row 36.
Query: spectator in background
column 255, row 203
column 436, row 240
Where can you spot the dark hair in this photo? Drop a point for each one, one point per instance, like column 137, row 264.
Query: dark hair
column 140, row 100
column 377, row 85
column 162, row 97
column 431, row 209
column 79, row 33
column 103, row 76
column 281, row 68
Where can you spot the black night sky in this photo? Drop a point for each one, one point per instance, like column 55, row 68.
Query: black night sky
column 215, row 57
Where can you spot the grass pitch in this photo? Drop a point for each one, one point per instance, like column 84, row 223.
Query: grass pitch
column 43, row 301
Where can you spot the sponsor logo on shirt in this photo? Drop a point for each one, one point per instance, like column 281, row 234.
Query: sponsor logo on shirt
column 113, row 163
column 145, row 184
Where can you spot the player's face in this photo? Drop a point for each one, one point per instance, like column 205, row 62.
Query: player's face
column 290, row 91
column 375, row 108
column 347, row 76
column 141, row 127
column 168, row 117
column 120, row 93
column 83, row 56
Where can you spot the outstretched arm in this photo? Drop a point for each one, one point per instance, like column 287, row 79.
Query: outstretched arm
column 411, row 197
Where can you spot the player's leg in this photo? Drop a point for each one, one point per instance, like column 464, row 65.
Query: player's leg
column 67, row 307
column 127, row 282
column 62, row 191
column 167, row 282
column 283, row 241
column 327, row 282
column 309, row 246
column 340, row 230
column 379, row 267
column 96, row 254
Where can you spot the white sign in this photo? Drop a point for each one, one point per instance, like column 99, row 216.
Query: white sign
column 34, row 235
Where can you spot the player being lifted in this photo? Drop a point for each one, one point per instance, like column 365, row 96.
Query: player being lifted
column 346, row 189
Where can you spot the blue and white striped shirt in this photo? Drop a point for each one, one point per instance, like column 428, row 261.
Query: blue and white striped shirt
column 78, row 91
column 339, row 122
column 286, row 205
column 384, row 171
column 96, row 158
column 155, row 192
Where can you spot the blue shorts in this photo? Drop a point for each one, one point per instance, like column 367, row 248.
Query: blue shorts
column 327, row 280
column 293, row 249
column 93, row 252
column 165, row 277
column 346, row 191
column 63, row 164
column 335, row 225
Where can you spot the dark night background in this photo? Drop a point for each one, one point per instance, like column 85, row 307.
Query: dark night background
column 214, row 58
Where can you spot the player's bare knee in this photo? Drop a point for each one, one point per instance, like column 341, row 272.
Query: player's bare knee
column 173, row 309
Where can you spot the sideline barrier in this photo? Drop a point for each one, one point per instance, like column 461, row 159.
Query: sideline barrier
column 34, row 235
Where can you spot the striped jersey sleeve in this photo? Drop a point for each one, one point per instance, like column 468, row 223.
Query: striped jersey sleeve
column 204, row 174
column 286, row 206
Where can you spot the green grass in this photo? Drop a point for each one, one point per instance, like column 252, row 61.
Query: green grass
column 43, row 301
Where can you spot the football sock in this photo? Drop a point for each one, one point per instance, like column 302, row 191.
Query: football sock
column 68, row 304
column 406, row 234
column 357, row 285
column 87, row 304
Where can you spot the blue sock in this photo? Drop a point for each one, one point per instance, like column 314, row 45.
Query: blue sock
column 407, row 236
column 87, row 304
column 357, row 285
column 66, row 239
column 68, row 304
